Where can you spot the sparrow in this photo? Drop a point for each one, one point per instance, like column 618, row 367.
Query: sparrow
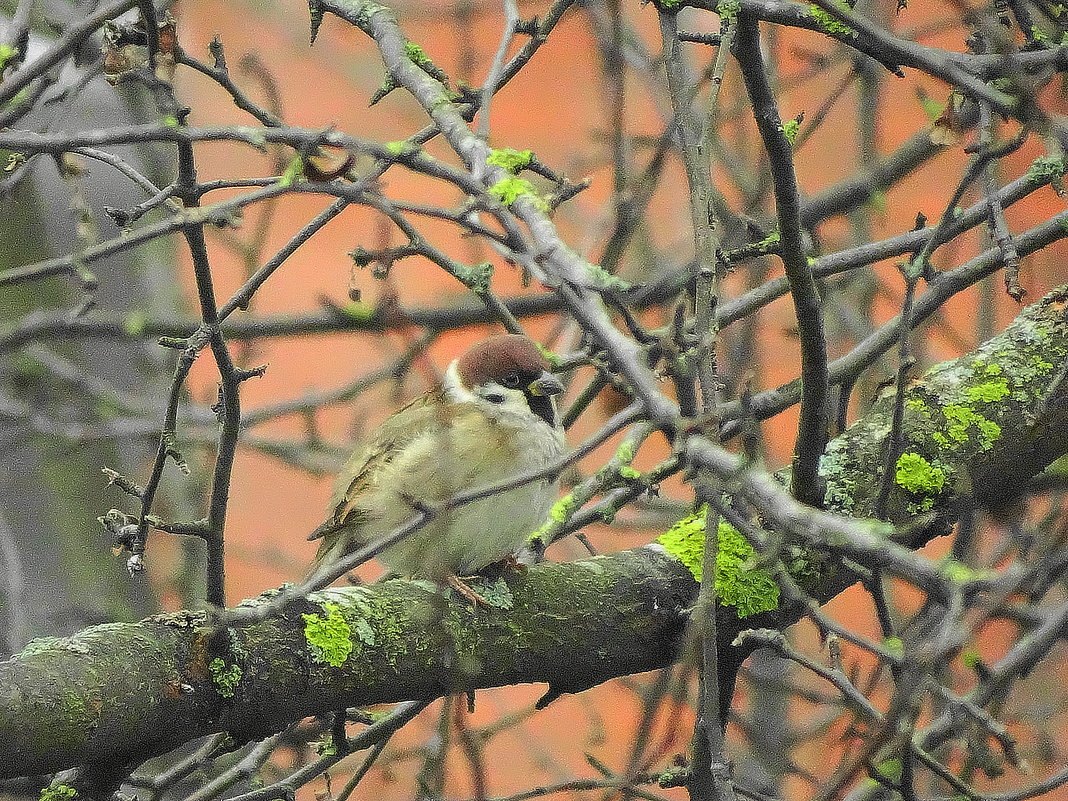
column 494, row 416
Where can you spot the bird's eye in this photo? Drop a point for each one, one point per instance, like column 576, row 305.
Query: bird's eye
column 494, row 397
column 511, row 381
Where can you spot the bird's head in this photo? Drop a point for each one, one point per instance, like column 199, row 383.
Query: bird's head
column 505, row 376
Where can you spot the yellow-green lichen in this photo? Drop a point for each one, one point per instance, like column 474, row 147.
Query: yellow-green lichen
column 1047, row 168
column 563, row 508
column 509, row 190
column 748, row 589
column 476, row 277
column 962, row 419
column 400, row 147
column 890, row 769
column 790, row 129
column 293, row 172
column 602, row 279
column 895, row 647
column 630, row 473
column 7, row 52
column 960, row 573
column 829, row 23
column 988, row 391
column 550, row 357
column 224, row 678
column 359, row 311
column 58, row 792
column 135, row 323
column 915, row 474
column 416, row 54
column 727, row 11
column 329, row 636
column 510, row 159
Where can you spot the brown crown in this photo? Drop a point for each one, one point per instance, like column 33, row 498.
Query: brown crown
column 495, row 357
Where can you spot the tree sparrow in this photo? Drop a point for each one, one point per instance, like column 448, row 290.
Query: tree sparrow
column 493, row 417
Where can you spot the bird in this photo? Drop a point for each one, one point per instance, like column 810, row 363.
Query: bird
column 494, row 416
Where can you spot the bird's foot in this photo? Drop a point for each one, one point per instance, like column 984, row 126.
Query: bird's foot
column 467, row 593
column 510, row 564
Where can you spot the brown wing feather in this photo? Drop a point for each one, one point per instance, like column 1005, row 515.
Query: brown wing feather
column 418, row 416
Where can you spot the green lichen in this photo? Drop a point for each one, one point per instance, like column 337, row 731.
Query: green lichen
column 509, row 190
column 933, row 109
column 59, row 792
column 625, row 452
column 224, row 678
column 399, row 147
column 510, row 159
column 790, row 129
column 602, row 279
column 330, row 637
column 890, row 769
column 895, row 647
column 727, row 11
column 829, row 23
column 563, row 508
column 135, row 323
column 364, row 631
column 550, row 357
column 960, row 573
column 359, row 311
column 293, row 172
column 477, row 277
column 962, row 419
column 416, row 54
column 748, row 589
column 971, row 659
column 7, row 52
column 630, row 473
column 1047, row 168
column 915, row 474
column 988, row 391
column 497, row 593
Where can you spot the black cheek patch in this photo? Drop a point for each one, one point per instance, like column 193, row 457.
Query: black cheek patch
column 542, row 406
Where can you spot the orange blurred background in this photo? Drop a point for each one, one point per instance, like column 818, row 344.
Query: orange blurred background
column 556, row 107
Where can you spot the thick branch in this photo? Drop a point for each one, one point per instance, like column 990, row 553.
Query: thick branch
column 119, row 693
column 124, row 693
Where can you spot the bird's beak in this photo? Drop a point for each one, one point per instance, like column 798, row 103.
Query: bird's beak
column 545, row 384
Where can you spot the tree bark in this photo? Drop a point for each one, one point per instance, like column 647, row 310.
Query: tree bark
column 975, row 427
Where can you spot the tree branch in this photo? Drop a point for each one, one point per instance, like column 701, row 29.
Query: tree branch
column 120, row 693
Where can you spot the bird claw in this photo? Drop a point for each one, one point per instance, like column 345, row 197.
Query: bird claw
column 467, row 593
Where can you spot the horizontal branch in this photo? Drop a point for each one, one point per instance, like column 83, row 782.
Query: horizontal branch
column 980, row 425
column 120, row 693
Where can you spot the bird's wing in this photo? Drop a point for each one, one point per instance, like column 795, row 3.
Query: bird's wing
column 426, row 412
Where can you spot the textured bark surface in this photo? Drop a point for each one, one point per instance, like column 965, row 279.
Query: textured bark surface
column 119, row 693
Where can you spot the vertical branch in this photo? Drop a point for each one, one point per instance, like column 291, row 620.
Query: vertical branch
column 511, row 19
column 813, row 423
column 710, row 776
column 229, row 404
